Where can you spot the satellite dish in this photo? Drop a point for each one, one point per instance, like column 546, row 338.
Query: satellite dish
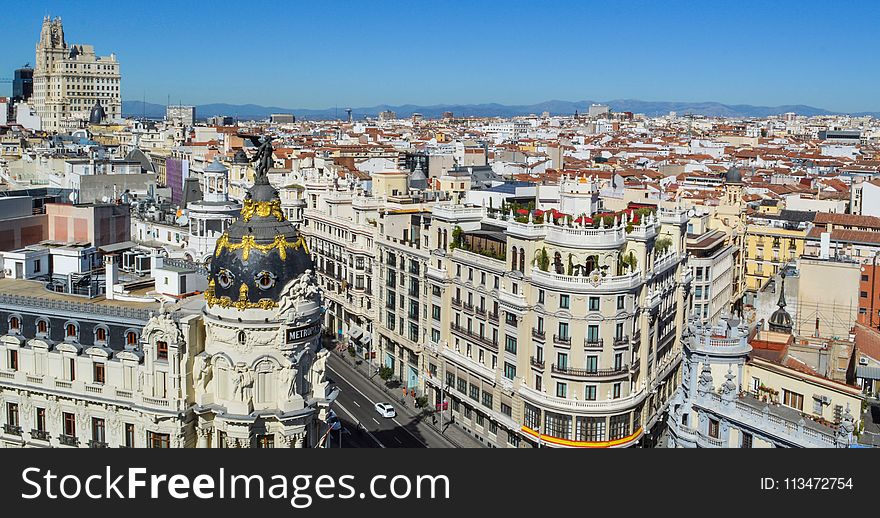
column 691, row 212
column 72, row 197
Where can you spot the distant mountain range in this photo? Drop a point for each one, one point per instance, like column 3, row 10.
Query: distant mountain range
column 649, row 108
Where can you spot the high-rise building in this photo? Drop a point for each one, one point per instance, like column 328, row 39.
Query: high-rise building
column 71, row 80
column 282, row 118
column 23, row 84
column 180, row 115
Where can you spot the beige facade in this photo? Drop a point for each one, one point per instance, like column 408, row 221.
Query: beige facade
column 70, row 79
column 827, row 308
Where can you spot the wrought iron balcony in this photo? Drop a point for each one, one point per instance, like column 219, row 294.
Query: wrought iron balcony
column 483, row 340
column 40, row 435
column 11, row 429
column 97, row 444
column 469, row 308
column 493, row 317
column 456, row 303
column 480, row 311
column 536, row 362
column 589, row 373
column 562, row 340
column 621, row 341
column 68, row 440
column 593, row 343
column 538, row 334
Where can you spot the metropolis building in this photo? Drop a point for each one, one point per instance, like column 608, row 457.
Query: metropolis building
column 240, row 366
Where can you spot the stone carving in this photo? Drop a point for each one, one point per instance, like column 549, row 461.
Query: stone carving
column 165, row 326
column 289, row 380
column 316, row 373
column 244, row 383
column 302, row 289
column 204, row 373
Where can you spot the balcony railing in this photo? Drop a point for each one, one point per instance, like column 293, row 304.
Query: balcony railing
column 538, row 334
column 493, row 317
column 40, row 435
column 97, row 444
column 589, row 373
column 593, row 343
column 539, row 363
column 484, row 340
column 562, row 340
column 480, row 311
column 11, row 429
column 468, row 308
column 68, row 440
column 621, row 341
column 456, row 303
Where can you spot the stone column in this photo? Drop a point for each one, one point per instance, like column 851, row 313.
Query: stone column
column 204, row 433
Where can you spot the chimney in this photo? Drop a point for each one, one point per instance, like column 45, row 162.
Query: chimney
column 824, row 245
column 111, row 275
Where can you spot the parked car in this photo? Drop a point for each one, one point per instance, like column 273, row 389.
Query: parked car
column 386, row 410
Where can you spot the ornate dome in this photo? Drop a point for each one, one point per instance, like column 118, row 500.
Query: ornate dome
column 733, row 175
column 780, row 321
column 97, row 115
column 260, row 253
column 240, row 157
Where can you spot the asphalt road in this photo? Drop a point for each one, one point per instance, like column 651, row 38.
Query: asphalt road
column 356, row 404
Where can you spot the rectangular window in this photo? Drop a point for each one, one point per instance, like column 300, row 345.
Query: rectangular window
column 98, row 430
column 129, row 435
column 159, row 440
column 474, row 392
column 12, row 414
column 266, row 441
column 99, row 373
column 621, row 301
column 563, row 301
column 563, row 330
column 13, row 360
column 562, row 360
column 590, row 429
column 506, row 409
column 592, row 363
column 713, row 428
column 590, row 392
column 510, row 344
column 509, row 370
column 793, row 399
column 592, row 333
column 594, row 304
column 435, row 312
column 616, row 390
column 561, row 389
column 69, row 421
column 619, row 426
column 40, row 421
column 487, row 399
column 462, row 385
column 557, row 425
column 161, row 350
column 540, row 296
column 746, row 440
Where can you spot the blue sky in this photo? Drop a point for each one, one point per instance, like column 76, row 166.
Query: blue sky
column 320, row 54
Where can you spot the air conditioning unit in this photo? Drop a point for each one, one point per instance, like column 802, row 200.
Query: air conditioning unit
column 825, row 400
column 862, row 361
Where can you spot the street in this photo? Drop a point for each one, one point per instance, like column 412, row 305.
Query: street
column 355, row 404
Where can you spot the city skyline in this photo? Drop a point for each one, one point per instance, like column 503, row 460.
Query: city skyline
column 393, row 54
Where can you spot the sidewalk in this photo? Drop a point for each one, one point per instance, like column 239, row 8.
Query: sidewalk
column 451, row 432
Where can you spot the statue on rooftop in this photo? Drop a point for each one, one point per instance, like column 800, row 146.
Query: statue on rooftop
column 263, row 160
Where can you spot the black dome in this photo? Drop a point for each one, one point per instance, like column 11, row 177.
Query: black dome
column 780, row 320
column 240, row 157
column 733, row 175
column 97, row 115
column 258, row 255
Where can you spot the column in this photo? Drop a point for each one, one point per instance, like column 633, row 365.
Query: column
column 203, row 437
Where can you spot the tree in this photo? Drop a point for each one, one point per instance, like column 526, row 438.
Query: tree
column 456, row 237
column 421, row 401
column 662, row 244
column 543, row 260
column 386, row 373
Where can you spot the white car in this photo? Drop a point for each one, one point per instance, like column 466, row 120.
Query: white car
column 386, row 410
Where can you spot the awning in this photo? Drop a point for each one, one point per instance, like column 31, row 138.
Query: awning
column 117, row 247
column 355, row 331
column 868, row 373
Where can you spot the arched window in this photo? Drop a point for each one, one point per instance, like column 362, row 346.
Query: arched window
column 70, row 330
column 100, row 334
column 131, row 338
column 161, row 350
column 14, row 324
column 522, row 260
column 513, row 259
column 42, row 327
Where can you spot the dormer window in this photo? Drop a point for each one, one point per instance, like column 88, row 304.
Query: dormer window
column 131, row 338
column 14, row 325
column 42, row 327
column 70, row 331
column 100, row 334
